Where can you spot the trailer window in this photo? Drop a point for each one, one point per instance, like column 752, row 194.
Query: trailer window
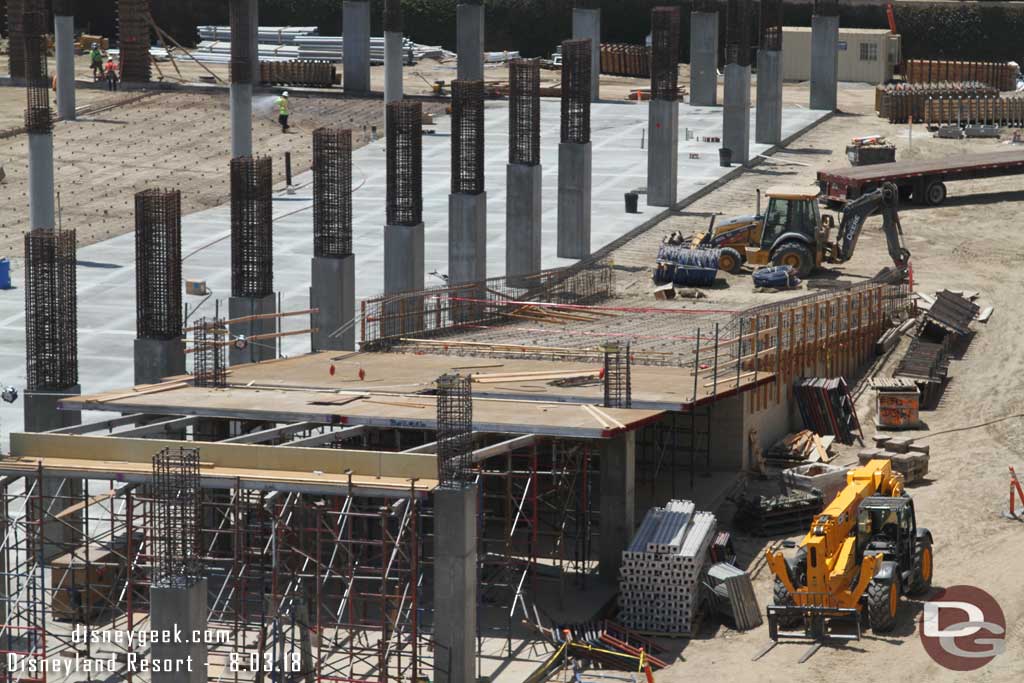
column 869, row 52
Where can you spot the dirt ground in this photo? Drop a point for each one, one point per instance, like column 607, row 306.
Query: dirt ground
column 969, row 243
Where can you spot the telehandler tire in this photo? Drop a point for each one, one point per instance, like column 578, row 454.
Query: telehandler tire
column 781, row 596
column 883, row 600
column 923, row 569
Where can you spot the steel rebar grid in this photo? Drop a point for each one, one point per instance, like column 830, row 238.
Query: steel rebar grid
column 38, row 117
column 177, row 496
column 576, row 91
column 665, row 53
column 242, row 58
column 51, row 310
column 618, row 383
column 332, row 192
column 771, row 24
column 454, row 431
column 393, row 15
column 467, row 137
column 252, row 228
column 133, row 35
column 524, row 112
column 158, row 264
column 404, row 163
column 209, row 360
column 737, row 32
column 16, row 38
column 825, row 8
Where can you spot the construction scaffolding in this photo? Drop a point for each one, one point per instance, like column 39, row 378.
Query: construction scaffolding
column 771, row 25
column 404, row 162
column 51, row 310
column 665, row 53
column 576, row 86
column 738, row 25
column 467, row 137
column 332, row 192
column 133, row 22
column 524, row 112
column 158, row 264
column 38, row 118
column 252, row 227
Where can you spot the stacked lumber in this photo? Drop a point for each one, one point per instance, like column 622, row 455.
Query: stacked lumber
column 299, row 72
column 999, row 111
column 734, row 595
column 1000, row 75
column 950, row 314
column 781, row 514
column 621, row 59
column 548, row 314
column 899, row 101
column 540, row 376
column 804, row 446
column 827, row 408
column 660, row 578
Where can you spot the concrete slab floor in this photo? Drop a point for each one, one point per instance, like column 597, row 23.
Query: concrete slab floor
column 106, row 272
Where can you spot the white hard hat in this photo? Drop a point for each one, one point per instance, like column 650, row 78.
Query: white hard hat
column 95, row 44
column 284, row 94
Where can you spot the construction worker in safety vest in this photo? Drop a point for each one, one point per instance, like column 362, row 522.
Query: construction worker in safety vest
column 96, row 58
column 282, row 111
column 111, row 72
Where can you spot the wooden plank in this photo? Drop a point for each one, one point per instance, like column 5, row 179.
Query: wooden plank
column 68, row 511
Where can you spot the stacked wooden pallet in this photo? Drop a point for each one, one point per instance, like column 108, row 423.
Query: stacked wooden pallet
column 772, row 515
column 1000, row 111
column 661, row 574
column 999, row 75
column 804, row 446
column 621, row 59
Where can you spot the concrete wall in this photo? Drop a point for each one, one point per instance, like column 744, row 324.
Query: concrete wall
column 768, row 128
column 824, row 62
column 732, row 419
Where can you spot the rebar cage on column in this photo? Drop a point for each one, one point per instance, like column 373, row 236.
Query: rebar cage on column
column 63, row 8
column 51, row 310
column 16, row 38
column 158, row 264
column 405, row 163
column 38, row 118
column 665, row 53
column 209, row 353
column 133, row 36
column 467, row 137
column 524, row 112
column 392, row 16
column 332, row 192
column 252, row 228
column 454, row 431
column 826, row 8
column 737, row 32
column 576, row 90
column 771, row 25
column 705, row 5
column 242, row 70
column 618, row 382
column 177, row 497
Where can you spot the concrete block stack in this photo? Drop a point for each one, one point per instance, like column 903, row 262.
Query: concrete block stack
column 908, row 458
column 660, row 578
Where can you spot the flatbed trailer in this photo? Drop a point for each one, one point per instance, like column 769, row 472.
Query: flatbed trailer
column 923, row 181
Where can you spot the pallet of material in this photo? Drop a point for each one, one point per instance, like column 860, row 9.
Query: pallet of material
column 901, row 101
column 828, row 479
column 804, row 446
column 620, row 59
column 950, row 314
column 827, row 408
column 734, row 595
column 299, row 72
column 1000, row 75
column 772, row 515
column 913, row 466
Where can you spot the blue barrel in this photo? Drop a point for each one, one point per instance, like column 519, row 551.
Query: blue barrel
column 5, row 273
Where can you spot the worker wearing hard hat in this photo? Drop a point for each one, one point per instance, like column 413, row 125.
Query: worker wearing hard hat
column 96, row 58
column 282, row 111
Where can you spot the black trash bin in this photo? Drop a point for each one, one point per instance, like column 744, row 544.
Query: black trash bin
column 725, row 157
column 632, row 202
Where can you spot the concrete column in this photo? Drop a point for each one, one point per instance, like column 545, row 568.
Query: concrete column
column 60, row 536
column 333, row 291
column 470, row 42
column 618, row 502
column 64, row 42
column 254, row 15
column 467, row 237
column 586, row 23
column 736, row 113
column 455, row 584
column 768, row 130
column 392, row 66
column 356, row 51
column 179, row 609
column 41, row 413
column 40, row 181
column 574, row 169
column 523, row 222
column 824, row 62
column 254, row 351
column 663, row 153
column 158, row 358
column 403, row 272
column 241, row 120
column 704, row 59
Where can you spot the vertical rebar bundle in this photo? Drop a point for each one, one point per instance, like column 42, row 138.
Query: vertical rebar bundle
column 332, row 192
column 62, row 8
column 405, row 163
column 705, row 5
column 158, row 264
column 16, row 38
column 524, row 112
column 618, row 384
column 133, row 36
column 826, row 8
column 467, row 137
column 242, row 70
column 252, row 229
column 209, row 359
column 176, row 506
column 576, row 90
column 38, row 118
column 454, row 431
column 771, row 25
column 393, row 16
column 665, row 53
column 737, row 32
column 51, row 310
